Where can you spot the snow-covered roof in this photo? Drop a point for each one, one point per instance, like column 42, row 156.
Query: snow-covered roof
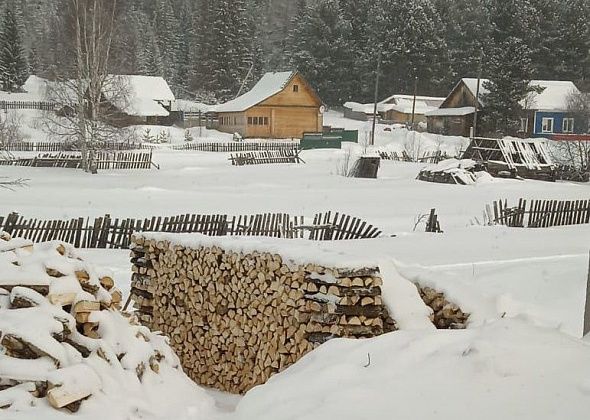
column 192, row 106
column 400, row 103
column 554, row 96
column 451, row 112
column 432, row 101
column 268, row 86
column 143, row 95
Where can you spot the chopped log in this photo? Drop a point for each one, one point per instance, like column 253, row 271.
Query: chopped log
column 86, row 306
column 64, row 299
column 59, row 397
column 107, row 282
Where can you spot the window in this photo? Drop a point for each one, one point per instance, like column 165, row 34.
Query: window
column 249, row 120
column 265, row 120
column 524, row 125
column 547, row 125
column 568, row 125
column 295, row 88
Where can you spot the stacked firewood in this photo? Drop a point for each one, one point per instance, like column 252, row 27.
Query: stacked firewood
column 445, row 314
column 58, row 316
column 237, row 318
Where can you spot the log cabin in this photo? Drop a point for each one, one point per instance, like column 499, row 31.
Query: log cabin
column 280, row 105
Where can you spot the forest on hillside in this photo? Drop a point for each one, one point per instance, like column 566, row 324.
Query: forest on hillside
column 207, row 49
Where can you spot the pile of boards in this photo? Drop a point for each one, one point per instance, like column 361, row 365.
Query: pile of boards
column 237, row 317
column 61, row 332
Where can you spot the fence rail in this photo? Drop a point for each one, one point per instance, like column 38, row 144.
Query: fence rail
column 234, row 147
column 539, row 213
column 115, row 233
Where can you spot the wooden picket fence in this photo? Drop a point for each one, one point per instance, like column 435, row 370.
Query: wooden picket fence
column 539, row 213
column 266, row 157
column 115, row 233
column 234, row 147
column 427, row 157
column 30, row 146
column 35, row 105
column 102, row 160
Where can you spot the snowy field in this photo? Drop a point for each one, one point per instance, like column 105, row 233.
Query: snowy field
column 521, row 356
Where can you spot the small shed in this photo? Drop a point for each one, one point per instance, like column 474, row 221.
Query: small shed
column 280, row 105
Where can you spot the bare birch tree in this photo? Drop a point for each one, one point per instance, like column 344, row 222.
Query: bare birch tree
column 575, row 154
column 89, row 99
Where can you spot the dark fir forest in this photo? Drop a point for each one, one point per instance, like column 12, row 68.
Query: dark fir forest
column 207, row 49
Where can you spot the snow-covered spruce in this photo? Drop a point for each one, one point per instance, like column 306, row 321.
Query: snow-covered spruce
column 62, row 338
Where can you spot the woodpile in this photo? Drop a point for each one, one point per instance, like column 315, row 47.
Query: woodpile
column 237, row 318
column 58, row 312
column 445, row 315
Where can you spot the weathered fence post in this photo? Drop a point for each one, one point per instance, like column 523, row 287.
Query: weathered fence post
column 587, row 308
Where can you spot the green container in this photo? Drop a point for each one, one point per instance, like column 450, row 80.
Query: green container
column 313, row 141
column 351, row 136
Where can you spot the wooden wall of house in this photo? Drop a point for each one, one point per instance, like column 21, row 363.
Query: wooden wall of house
column 451, row 126
column 293, row 122
column 402, row 118
column 460, row 97
column 233, row 122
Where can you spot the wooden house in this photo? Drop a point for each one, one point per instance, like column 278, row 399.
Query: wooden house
column 280, row 105
column 544, row 113
column 137, row 100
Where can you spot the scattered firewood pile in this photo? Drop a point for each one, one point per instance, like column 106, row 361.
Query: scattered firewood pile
column 445, row 315
column 61, row 334
column 452, row 171
column 235, row 318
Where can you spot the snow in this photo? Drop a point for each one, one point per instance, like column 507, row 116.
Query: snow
column 34, row 91
column 293, row 251
column 451, row 112
column 505, row 369
column 269, row 85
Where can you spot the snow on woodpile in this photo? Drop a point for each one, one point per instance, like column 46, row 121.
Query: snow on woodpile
column 65, row 345
column 453, row 171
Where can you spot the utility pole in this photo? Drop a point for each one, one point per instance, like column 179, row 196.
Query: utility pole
column 414, row 102
column 376, row 97
column 475, row 115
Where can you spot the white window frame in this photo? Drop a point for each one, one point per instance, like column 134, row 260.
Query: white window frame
column 524, row 125
column 543, row 130
column 571, row 127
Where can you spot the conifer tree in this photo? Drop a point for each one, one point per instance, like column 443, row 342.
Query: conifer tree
column 13, row 65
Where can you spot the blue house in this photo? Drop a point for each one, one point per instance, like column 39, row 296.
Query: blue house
column 545, row 113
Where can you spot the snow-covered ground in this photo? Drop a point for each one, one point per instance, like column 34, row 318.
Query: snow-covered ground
column 521, row 356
